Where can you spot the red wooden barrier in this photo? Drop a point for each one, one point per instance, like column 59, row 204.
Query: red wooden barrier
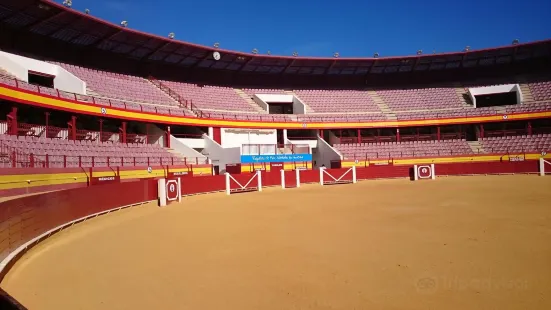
column 26, row 218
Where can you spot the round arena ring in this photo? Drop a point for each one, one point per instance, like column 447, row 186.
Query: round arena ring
column 445, row 243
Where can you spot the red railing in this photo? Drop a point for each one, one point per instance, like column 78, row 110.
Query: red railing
column 15, row 159
column 166, row 110
column 100, row 102
column 174, row 95
column 391, row 156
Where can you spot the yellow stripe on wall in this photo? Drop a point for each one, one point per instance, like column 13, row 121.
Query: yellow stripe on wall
column 90, row 109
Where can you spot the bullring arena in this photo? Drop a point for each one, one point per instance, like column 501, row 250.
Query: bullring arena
column 392, row 244
column 140, row 171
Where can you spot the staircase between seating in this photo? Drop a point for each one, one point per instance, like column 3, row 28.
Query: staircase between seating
column 249, row 100
column 172, row 95
column 476, row 147
column 390, row 115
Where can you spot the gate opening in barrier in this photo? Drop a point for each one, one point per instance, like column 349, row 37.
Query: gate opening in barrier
column 290, row 178
column 332, row 176
column 243, row 183
column 170, row 190
column 545, row 167
column 424, row 172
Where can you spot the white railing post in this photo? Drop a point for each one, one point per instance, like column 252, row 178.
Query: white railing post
column 161, row 186
column 298, row 177
column 353, row 174
column 227, row 183
column 282, row 178
column 542, row 167
column 321, row 175
column 179, row 190
column 259, row 176
column 433, row 173
column 415, row 173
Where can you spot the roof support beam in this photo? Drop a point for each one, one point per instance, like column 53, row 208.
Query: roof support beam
column 207, row 55
column 155, row 51
column 288, row 66
column 107, row 37
column 41, row 21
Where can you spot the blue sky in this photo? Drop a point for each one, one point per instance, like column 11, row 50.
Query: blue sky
column 354, row 28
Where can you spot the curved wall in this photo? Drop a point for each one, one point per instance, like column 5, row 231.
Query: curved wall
column 29, row 218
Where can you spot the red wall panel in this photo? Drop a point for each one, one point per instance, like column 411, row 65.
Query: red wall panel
column 195, row 185
column 25, row 218
column 382, row 172
column 529, row 166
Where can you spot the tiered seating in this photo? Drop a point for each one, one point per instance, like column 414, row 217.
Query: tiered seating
column 120, row 86
column 338, row 101
column 210, row 97
column 517, row 144
column 65, row 153
column 540, row 90
column 529, row 107
column 420, row 99
column 403, row 149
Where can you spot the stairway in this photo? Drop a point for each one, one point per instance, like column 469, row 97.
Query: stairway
column 462, row 94
column 526, row 93
column 390, row 115
column 6, row 73
column 307, row 108
column 476, row 147
column 172, row 95
column 249, row 100
column 92, row 93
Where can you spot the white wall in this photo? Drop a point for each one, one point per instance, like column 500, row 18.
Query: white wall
column 311, row 143
column 325, row 153
column 298, row 106
column 261, row 103
column 236, row 137
column 19, row 66
column 497, row 89
column 333, row 139
column 180, row 145
column 220, row 156
column 275, row 98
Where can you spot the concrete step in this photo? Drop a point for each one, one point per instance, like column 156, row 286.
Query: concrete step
column 526, row 93
column 476, row 147
column 461, row 94
column 186, row 110
column 248, row 99
column 387, row 111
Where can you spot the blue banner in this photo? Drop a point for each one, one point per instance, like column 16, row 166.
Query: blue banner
column 282, row 158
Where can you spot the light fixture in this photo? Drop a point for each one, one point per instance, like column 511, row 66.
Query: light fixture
column 295, row 54
column 336, row 55
column 269, row 53
column 68, row 3
column 515, row 41
column 376, row 55
column 124, row 23
column 216, row 45
column 255, row 51
column 171, row 35
column 419, row 52
column 467, row 48
column 87, row 11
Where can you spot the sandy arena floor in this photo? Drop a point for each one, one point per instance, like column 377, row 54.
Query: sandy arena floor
column 454, row 243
